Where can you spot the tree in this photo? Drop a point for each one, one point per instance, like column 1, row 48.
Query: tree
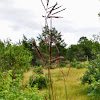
column 99, row 14
column 71, row 52
column 96, row 37
column 87, row 46
column 81, row 51
column 14, row 57
column 28, row 45
column 82, row 40
column 58, row 46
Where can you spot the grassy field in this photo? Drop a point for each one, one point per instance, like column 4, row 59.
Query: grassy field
column 75, row 90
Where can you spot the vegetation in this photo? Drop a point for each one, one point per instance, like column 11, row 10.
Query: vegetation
column 11, row 89
column 17, row 59
column 14, row 56
column 14, row 61
column 23, row 66
column 39, row 81
column 58, row 46
column 78, row 64
column 76, row 91
column 84, row 50
column 92, row 77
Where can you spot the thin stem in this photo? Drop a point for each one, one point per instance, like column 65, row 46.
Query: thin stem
column 65, row 87
column 51, row 55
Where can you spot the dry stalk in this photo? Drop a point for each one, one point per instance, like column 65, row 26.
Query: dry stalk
column 48, row 15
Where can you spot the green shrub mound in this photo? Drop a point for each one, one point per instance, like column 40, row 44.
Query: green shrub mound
column 92, row 77
column 39, row 81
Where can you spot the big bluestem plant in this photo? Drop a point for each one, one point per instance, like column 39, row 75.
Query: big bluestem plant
column 49, row 39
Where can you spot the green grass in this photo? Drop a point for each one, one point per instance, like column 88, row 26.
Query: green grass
column 75, row 90
column 26, row 77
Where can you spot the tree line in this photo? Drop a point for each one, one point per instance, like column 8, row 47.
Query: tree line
column 84, row 50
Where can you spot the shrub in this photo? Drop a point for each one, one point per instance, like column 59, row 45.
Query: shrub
column 80, row 65
column 59, row 65
column 39, row 81
column 95, row 89
column 15, row 58
column 92, row 77
column 74, row 63
column 62, row 64
column 11, row 89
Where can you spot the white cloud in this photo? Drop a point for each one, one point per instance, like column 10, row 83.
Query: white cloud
column 18, row 17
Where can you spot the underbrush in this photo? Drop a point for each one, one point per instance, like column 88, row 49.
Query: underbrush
column 39, row 81
column 78, row 65
column 92, row 77
column 11, row 89
column 14, row 61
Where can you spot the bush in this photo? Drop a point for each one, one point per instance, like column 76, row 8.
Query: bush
column 74, row 63
column 15, row 58
column 95, row 89
column 80, row 65
column 59, row 65
column 62, row 64
column 39, row 81
column 11, row 89
column 92, row 77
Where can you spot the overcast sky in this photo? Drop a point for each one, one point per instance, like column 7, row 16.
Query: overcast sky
column 18, row 17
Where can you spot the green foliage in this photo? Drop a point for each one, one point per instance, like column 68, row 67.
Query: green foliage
column 14, row 61
column 94, row 89
column 59, row 65
column 57, row 39
column 84, row 49
column 28, row 45
column 15, row 58
column 11, row 89
column 74, row 63
column 92, row 77
column 38, row 69
column 78, row 64
column 62, row 64
column 39, row 81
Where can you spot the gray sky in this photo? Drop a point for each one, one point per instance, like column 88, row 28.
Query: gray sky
column 18, row 17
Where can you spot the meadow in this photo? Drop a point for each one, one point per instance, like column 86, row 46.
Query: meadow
column 75, row 90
